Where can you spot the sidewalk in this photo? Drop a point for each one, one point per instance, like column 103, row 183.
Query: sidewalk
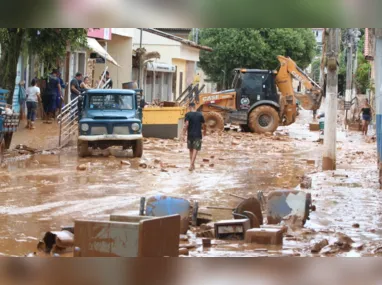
column 45, row 136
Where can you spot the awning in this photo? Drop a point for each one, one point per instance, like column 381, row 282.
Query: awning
column 160, row 67
column 96, row 47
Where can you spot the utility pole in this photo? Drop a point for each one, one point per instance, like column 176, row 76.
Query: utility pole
column 357, row 34
column 323, row 57
column 330, row 131
column 349, row 73
column 140, row 60
column 378, row 94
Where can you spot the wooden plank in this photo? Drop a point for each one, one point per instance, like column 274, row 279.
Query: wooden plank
column 159, row 237
column 106, row 239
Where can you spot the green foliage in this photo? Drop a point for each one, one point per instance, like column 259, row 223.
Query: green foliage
column 315, row 74
column 362, row 76
column 48, row 44
column 253, row 48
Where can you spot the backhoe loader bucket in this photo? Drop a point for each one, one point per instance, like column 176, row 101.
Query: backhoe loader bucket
column 310, row 101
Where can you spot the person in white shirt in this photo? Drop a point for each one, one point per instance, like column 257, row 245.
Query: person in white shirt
column 33, row 96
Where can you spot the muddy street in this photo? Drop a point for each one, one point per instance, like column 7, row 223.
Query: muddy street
column 46, row 191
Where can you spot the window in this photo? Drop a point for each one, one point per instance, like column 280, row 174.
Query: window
column 253, row 83
column 111, row 102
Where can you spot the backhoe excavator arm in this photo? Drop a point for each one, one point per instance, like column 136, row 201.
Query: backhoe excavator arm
column 311, row 100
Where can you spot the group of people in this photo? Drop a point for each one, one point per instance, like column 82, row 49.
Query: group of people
column 53, row 98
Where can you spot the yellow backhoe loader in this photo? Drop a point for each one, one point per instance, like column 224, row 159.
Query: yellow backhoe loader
column 260, row 100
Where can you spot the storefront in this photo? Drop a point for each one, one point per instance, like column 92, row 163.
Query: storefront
column 158, row 79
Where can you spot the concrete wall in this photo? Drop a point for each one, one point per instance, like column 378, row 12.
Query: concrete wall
column 180, row 67
column 120, row 48
column 378, row 94
column 171, row 52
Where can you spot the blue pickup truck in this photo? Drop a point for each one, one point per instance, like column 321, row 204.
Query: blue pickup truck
column 109, row 117
column 8, row 124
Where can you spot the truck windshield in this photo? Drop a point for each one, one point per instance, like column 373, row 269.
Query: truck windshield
column 110, row 102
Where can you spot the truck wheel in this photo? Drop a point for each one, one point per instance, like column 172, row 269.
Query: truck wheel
column 83, row 149
column 214, row 121
column 138, row 148
column 8, row 140
column 263, row 119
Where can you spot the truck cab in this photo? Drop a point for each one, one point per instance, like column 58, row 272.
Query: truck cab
column 109, row 117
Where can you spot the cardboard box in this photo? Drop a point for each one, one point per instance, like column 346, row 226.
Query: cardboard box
column 266, row 236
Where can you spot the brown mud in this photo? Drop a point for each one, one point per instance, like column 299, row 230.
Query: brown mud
column 43, row 192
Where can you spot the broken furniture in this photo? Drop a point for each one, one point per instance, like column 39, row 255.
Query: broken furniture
column 230, row 229
column 250, row 208
column 161, row 205
column 285, row 203
column 128, row 236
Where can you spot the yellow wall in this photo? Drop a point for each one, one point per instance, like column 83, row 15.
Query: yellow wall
column 181, row 67
column 120, row 48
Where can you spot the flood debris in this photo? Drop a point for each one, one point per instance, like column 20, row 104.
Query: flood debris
column 206, row 242
column 283, row 203
column 232, row 229
column 183, row 251
column 143, row 165
column 355, row 225
column 265, row 236
column 54, row 242
column 183, row 238
column 306, row 182
column 162, row 205
column 318, row 246
column 125, row 162
column 82, row 167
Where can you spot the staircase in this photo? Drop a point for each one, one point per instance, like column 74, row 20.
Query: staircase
column 68, row 123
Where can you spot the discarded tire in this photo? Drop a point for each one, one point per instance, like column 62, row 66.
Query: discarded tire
column 138, row 148
column 214, row 121
column 263, row 119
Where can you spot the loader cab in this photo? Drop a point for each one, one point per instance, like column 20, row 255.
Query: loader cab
column 252, row 86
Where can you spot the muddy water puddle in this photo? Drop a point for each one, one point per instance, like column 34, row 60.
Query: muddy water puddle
column 44, row 192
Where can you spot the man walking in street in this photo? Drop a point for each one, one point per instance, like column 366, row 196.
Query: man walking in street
column 194, row 123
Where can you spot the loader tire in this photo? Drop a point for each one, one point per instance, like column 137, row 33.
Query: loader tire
column 263, row 119
column 214, row 122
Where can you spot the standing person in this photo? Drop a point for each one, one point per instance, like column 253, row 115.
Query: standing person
column 85, row 85
column 194, row 123
column 108, row 81
column 366, row 116
column 22, row 99
column 50, row 94
column 75, row 86
column 33, row 96
column 59, row 96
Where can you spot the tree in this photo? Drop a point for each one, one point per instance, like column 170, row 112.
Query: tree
column 315, row 74
column 253, row 48
column 48, row 45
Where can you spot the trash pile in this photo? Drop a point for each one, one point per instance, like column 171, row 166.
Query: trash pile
column 283, row 210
